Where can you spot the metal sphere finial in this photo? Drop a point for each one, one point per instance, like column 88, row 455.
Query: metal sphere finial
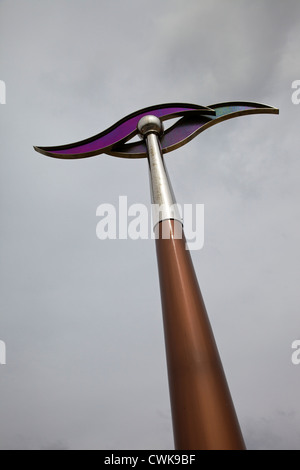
column 148, row 124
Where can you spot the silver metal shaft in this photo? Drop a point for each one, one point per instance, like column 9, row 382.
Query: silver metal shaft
column 203, row 413
column 163, row 200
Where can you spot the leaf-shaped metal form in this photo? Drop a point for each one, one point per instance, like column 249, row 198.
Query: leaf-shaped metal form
column 190, row 126
column 122, row 131
column 195, row 120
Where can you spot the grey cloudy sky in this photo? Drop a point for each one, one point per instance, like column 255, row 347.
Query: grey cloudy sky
column 81, row 318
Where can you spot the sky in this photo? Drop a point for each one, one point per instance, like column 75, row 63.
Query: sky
column 81, row 317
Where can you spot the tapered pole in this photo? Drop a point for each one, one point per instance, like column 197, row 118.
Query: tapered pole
column 203, row 413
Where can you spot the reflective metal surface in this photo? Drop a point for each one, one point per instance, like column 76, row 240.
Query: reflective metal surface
column 203, row 414
column 150, row 124
column 202, row 410
column 163, row 200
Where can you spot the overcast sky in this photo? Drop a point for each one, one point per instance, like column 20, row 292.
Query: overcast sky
column 81, row 318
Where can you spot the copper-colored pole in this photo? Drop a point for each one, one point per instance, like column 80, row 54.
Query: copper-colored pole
column 203, row 414
column 202, row 409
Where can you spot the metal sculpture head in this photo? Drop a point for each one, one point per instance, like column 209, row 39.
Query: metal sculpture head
column 194, row 119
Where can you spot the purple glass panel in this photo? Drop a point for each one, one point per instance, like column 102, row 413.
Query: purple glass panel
column 119, row 133
column 190, row 126
column 122, row 131
column 196, row 119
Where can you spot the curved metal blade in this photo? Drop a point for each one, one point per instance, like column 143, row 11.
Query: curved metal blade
column 189, row 127
column 122, row 131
